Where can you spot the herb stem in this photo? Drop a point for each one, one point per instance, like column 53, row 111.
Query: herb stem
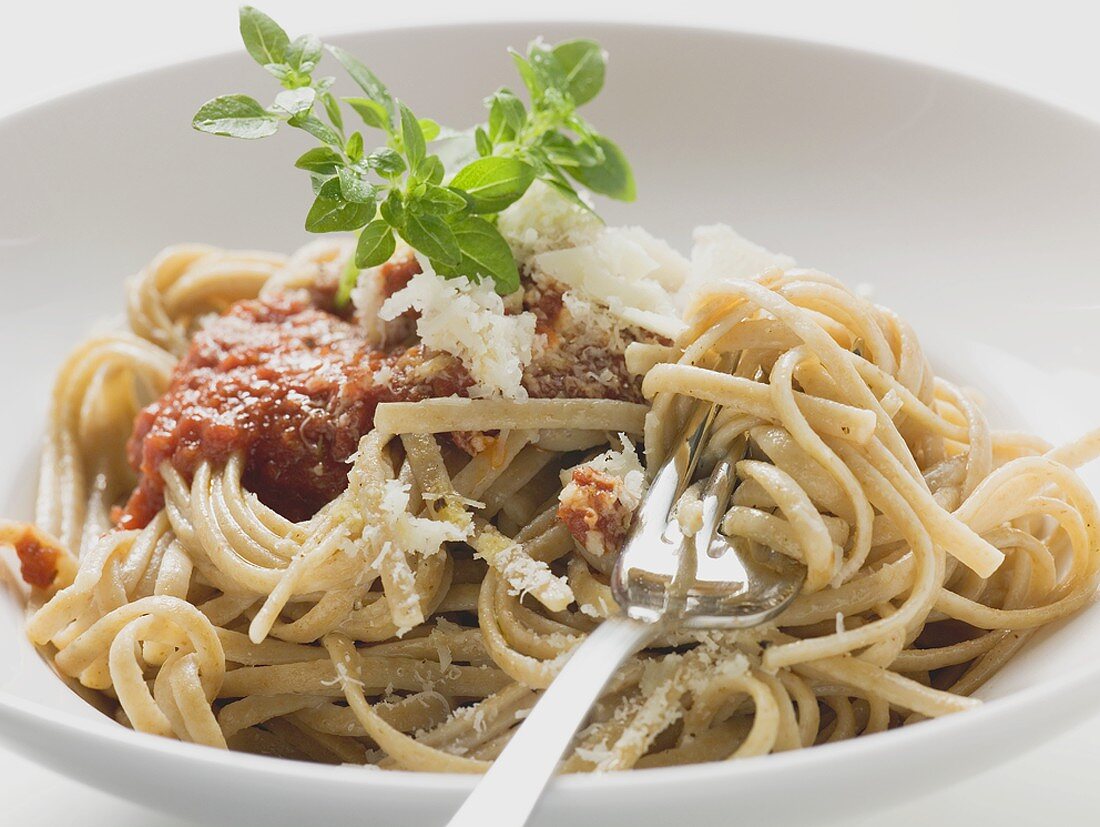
column 349, row 277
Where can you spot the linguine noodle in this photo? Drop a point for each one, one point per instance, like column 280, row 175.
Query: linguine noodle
column 934, row 546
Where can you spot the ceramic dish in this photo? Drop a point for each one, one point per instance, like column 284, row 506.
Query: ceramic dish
column 896, row 175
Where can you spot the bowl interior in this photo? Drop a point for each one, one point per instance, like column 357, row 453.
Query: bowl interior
column 969, row 210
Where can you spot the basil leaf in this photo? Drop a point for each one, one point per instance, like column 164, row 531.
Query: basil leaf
column 332, row 109
column 303, row 54
column 372, row 113
column 498, row 128
column 376, row 245
column 320, row 159
column 585, row 133
column 560, row 150
column 482, row 142
column 553, row 176
column 316, row 127
column 537, row 158
column 284, row 74
column 491, row 184
column 507, row 114
column 393, row 210
column 584, row 64
column 430, row 170
column 355, row 189
column 412, row 137
column 440, row 201
column 354, row 147
column 331, row 212
column 565, row 189
column 317, row 180
column 613, row 177
column 431, row 236
column 264, row 39
column 236, row 116
column 296, row 101
column 485, row 253
column 376, row 90
column 544, row 64
column 430, row 129
column 528, row 75
column 515, row 113
column 386, row 162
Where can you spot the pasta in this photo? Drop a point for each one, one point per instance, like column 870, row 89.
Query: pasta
column 412, row 620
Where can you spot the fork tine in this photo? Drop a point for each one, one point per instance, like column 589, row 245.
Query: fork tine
column 713, row 499
column 702, row 578
column 653, row 545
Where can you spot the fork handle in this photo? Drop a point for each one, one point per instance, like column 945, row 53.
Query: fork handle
column 525, row 766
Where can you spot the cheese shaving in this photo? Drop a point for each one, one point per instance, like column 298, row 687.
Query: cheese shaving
column 544, row 220
column 626, row 269
column 438, row 639
column 524, row 574
column 467, row 320
column 412, row 534
column 721, row 254
column 624, row 464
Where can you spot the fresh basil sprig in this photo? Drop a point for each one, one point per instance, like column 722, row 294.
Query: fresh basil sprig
column 402, row 187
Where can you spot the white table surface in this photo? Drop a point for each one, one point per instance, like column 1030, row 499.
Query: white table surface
column 1047, row 49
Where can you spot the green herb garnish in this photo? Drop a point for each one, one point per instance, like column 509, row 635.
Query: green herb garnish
column 403, row 187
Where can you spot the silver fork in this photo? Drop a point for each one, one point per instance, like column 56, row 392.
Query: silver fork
column 661, row 580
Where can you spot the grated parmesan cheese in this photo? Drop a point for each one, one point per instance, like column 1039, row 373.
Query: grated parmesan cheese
column 467, row 320
column 733, row 665
column 598, row 498
column 722, row 254
column 473, row 716
column 412, row 534
column 544, row 220
column 369, row 294
column 438, row 638
column 384, row 376
column 626, row 269
column 597, row 754
column 623, row 464
column 343, row 677
column 523, row 574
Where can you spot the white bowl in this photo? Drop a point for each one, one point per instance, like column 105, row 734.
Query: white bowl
column 971, row 210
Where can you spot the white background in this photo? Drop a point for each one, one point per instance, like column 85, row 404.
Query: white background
column 1048, row 49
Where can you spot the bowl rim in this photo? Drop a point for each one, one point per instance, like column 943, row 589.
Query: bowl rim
column 823, row 47
column 991, row 714
column 970, row 723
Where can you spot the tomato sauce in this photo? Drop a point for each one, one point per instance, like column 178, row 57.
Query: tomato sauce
column 38, row 563
column 292, row 383
column 592, row 511
column 290, row 386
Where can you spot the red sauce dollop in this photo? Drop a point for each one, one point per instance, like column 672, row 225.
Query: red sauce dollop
column 37, row 563
column 290, row 386
column 595, row 507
